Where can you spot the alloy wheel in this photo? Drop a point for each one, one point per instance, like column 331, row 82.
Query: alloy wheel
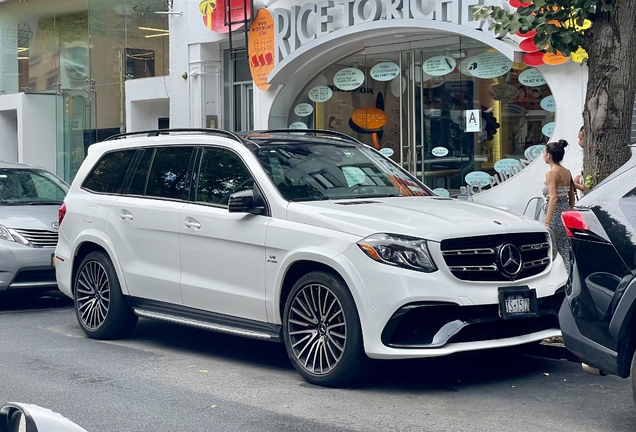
column 93, row 295
column 317, row 329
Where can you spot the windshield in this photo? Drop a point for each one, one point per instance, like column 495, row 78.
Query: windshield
column 30, row 187
column 310, row 171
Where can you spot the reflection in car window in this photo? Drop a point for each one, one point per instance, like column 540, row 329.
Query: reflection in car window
column 108, row 175
column 222, row 173
column 140, row 178
column 306, row 172
column 169, row 172
column 30, row 187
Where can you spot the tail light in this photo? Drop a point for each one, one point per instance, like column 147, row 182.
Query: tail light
column 573, row 220
column 61, row 212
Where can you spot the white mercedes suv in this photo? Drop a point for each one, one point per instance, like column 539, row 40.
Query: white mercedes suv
column 311, row 239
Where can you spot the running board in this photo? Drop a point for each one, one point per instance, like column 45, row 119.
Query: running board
column 179, row 314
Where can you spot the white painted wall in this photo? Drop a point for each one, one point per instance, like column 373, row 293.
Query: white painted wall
column 37, row 129
column 9, row 135
column 146, row 101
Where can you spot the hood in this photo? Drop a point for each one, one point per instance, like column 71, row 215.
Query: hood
column 431, row 218
column 36, row 217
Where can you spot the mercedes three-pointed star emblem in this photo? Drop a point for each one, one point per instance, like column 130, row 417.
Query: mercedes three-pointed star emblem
column 510, row 259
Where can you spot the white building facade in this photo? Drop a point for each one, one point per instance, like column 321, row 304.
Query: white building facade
column 420, row 80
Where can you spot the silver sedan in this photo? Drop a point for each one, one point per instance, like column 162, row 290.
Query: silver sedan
column 29, row 201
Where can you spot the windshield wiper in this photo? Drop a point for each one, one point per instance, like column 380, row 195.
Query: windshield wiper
column 378, row 195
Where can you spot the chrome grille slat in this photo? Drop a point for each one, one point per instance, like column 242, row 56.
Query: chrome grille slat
column 483, row 251
column 39, row 238
column 537, row 246
column 536, row 263
column 474, row 268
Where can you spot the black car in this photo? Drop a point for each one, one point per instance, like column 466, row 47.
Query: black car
column 597, row 317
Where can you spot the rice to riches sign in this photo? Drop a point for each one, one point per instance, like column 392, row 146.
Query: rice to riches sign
column 261, row 48
column 300, row 25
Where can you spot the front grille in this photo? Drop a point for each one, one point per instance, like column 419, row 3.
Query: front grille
column 477, row 258
column 432, row 325
column 39, row 238
column 34, row 276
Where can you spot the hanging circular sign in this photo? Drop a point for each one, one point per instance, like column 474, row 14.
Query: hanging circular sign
column 303, row 109
column 298, row 125
column 435, row 82
column 385, row 71
column 554, row 59
column 441, row 192
column 320, row 94
column 466, row 65
column 528, row 45
column 439, row 65
column 490, row 65
column 533, row 59
column 548, row 129
column 579, row 55
column 509, row 164
column 531, row 78
column 398, row 86
column 478, row 178
column 387, row 151
column 548, row 104
column 348, row 79
column 572, row 23
column 439, row 151
column 533, row 152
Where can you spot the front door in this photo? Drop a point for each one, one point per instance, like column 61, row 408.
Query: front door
column 222, row 253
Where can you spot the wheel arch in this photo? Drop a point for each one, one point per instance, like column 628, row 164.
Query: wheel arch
column 90, row 242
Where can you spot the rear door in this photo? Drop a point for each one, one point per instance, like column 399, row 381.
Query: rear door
column 144, row 223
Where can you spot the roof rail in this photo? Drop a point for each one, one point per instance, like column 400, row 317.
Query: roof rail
column 297, row 131
column 157, row 132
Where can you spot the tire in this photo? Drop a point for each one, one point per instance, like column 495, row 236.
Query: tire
column 326, row 351
column 101, row 309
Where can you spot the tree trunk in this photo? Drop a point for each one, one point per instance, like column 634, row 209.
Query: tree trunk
column 610, row 89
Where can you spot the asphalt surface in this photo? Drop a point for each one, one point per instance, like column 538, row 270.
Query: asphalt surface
column 171, row 378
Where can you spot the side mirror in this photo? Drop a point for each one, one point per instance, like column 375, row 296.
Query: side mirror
column 246, row 202
column 21, row 417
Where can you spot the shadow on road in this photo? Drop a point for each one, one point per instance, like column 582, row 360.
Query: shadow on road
column 25, row 300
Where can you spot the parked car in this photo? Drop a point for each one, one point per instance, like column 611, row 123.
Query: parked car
column 597, row 318
column 310, row 239
column 29, row 201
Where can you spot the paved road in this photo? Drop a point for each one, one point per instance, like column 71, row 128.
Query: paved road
column 172, row 378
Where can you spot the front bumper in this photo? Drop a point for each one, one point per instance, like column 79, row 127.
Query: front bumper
column 23, row 267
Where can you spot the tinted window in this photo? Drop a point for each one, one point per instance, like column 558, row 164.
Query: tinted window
column 222, row 174
column 140, row 178
column 108, row 175
column 169, row 172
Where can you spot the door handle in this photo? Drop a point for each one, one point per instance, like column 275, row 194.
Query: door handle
column 192, row 223
column 125, row 215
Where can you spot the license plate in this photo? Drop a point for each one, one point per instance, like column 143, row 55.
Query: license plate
column 517, row 302
column 53, row 260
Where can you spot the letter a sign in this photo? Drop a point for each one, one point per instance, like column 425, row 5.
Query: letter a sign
column 473, row 120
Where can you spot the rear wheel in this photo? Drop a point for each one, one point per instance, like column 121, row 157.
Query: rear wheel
column 100, row 306
column 322, row 331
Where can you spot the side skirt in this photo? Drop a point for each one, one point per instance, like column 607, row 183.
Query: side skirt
column 192, row 317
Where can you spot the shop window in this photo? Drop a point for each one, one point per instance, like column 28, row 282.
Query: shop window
column 239, row 92
column 140, row 63
column 458, row 117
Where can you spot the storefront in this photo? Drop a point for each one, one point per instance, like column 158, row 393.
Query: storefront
column 429, row 87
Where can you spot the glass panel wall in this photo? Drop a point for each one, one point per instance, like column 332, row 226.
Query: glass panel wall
column 81, row 52
column 461, row 117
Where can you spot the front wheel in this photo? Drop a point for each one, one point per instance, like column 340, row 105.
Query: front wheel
column 322, row 331
column 100, row 306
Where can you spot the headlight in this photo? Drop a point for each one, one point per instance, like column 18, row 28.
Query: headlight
column 12, row 236
column 555, row 251
column 400, row 251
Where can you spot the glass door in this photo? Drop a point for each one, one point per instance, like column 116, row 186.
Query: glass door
column 76, row 129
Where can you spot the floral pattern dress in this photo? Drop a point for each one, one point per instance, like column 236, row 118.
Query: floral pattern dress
column 563, row 204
